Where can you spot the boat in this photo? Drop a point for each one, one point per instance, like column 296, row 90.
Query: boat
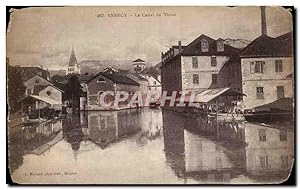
column 269, row 116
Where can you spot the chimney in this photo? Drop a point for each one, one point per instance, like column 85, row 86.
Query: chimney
column 263, row 21
column 179, row 45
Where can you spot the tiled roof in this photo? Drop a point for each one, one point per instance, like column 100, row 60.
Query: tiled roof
column 120, row 79
column 28, row 72
column 194, row 48
column 265, row 46
column 116, row 78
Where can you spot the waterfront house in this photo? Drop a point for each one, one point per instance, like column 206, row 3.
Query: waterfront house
column 109, row 80
column 198, row 65
column 204, row 64
column 267, row 66
column 40, row 93
column 35, row 80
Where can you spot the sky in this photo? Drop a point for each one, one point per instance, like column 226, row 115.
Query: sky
column 45, row 36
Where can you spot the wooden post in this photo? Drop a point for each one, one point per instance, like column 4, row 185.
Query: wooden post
column 39, row 110
column 217, row 112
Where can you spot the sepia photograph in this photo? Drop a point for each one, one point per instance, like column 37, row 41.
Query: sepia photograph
column 148, row 95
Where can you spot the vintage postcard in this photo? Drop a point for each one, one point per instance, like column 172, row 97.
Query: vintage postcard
column 150, row 95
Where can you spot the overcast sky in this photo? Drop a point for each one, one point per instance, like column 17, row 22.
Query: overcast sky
column 44, row 36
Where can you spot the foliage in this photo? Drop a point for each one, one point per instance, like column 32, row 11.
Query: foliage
column 15, row 88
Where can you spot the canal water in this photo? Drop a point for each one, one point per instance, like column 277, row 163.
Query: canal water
column 150, row 146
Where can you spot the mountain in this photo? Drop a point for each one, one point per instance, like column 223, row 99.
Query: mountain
column 95, row 66
column 57, row 72
column 237, row 43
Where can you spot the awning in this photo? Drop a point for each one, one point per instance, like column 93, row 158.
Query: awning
column 210, row 94
column 284, row 104
column 42, row 98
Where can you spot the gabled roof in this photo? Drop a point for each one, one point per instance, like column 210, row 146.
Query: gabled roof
column 38, row 76
column 116, row 78
column 38, row 88
column 85, row 77
column 41, row 98
column 151, row 71
column 28, row 72
column 194, row 48
column 265, row 46
column 138, row 60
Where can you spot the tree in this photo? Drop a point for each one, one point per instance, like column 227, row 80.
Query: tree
column 72, row 92
column 15, row 88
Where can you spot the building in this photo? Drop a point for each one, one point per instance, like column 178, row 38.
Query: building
column 139, row 65
column 73, row 66
column 153, row 76
column 197, row 66
column 267, row 68
column 142, row 80
column 33, row 81
column 40, row 93
column 113, row 81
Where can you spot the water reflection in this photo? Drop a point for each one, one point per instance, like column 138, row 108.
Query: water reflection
column 31, row 138
column 200, row 151
column 211, row 152
column 156, row 147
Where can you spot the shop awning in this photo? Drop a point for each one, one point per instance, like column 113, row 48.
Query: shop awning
column 211, row 94
column 42, row 98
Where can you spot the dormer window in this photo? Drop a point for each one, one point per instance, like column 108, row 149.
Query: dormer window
column 220, row 45
column 204, row 45
column 101, row 80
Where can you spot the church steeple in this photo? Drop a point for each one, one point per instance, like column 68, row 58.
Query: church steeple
column 73, row 66
column 73, row 60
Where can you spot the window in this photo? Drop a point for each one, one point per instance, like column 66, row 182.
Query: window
column 29, row 91
column 154, row 82
column 218, row 163
column 258, row 67
column 195, row 79
column 284, row 162
column 264, row 162
column 101, row 80
column 213, row 61
column 214, row 78
column 48, row 92
column 99, row 96
column 283, row 135
column 260, row 92
column 280, row 92
column 204, row 45
column 195, row 62
column 37, row 81
column 278, row 66
column 262, row 134
column 220, row 45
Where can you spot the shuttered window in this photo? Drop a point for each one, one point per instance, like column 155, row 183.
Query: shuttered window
column 257, row 67
column 195, row 62
column 278, row 66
